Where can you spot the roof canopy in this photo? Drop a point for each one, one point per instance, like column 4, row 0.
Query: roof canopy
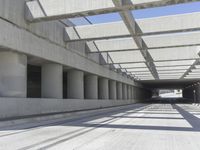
column 156, row 48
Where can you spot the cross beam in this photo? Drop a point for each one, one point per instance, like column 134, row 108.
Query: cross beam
column 46, row 10
column 191, row 67
column 134, row 29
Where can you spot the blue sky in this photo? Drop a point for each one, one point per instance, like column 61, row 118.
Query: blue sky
column 145, row 13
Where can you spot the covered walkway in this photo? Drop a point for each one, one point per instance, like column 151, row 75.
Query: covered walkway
column 139, row 126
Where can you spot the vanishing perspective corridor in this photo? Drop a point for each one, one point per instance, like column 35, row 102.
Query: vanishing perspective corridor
column 136, row 127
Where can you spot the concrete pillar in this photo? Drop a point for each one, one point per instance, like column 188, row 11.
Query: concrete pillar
column 103, row 90
column 75, row 84
column 52, row 81
column 13, row 74
column 91, row 87
column 128, row 92
column 132, row 93
column 112, row 90
column 198, row 93
column 119, row 91
column 124, row 91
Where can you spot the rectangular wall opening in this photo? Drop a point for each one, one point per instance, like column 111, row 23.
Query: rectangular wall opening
column 33, row 81
column 171, row 93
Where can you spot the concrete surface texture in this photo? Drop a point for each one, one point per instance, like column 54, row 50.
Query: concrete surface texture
column 13, row 77
column 52, row 81
column 136, row 127
column 19, row 107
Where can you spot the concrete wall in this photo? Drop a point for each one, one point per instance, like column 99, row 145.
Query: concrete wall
column 26, row 107
column 45, row 40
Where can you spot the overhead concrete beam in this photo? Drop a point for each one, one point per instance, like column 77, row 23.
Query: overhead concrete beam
column 152, row 61
column 190, row 68
column 43, row 10
column 134, row 29
column 172, row 24
column 23, row 41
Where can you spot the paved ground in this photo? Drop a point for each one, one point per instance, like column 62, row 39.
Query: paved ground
column 137, row 127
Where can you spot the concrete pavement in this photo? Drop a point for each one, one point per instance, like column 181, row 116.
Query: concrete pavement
column 136, row 127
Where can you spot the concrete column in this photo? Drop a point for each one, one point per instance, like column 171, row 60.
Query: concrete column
column 103, row 89
column 112, row 90
column 132, row 93
column 119, row 90
column 75, row 84
column 124, row 91
column 198, row 93
column 52, row 81
column 128, row 92
column 13, row 74
column 91, row 87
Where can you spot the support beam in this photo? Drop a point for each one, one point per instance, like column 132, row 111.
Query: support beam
column 152, row 61
column 103, row 90
column 91, row 87
column 75, row 84
column 190, row 68
column 149, row 48
column 134, row 29
column 43, row 10
column 117, row 30
column 52, row 81
column 13, row 74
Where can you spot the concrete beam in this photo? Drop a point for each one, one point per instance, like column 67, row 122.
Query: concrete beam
column 43, row 10
column 190, row 68
column 21, row 40
column 173, row 24
column 134, row 29
column 149, row 48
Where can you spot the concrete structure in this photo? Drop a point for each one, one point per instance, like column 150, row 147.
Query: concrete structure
column 166, row 124
column 112, row 90
column 52, row 81
column 13, row 68
column 88, row 77
column 119, row 91
column 75, row 84
column 111, row 64
column 91, row 87
column 103, row 88
column 124, row 91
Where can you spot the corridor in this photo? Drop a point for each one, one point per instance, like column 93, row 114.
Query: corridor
column 136, row 127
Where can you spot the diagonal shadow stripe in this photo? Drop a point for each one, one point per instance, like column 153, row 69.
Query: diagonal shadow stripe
column 143, row 117
column 189, row 117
